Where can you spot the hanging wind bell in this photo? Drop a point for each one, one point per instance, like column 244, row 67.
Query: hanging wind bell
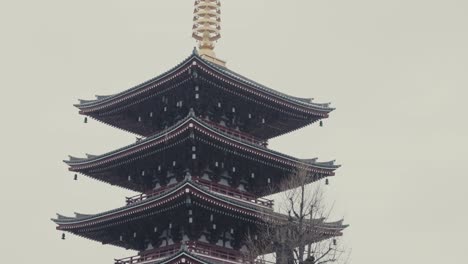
column 86, row 120
column 327, row 182
column 75, row 177
column 63, row 236
column 321, row 123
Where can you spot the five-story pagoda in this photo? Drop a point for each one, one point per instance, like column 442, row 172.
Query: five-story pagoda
column 202, row 165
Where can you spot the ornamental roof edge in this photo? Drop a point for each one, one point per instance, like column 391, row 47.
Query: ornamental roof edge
column 184, row 184
column 83, row 103
column 82, row 218
column 304, row 102
column 189, row 118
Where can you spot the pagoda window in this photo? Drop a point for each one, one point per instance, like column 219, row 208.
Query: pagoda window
column 203, row 239
column 172, row 180
column 224, row 182
column 149, row 246
column 220, row 242
column 228, row 244
column 241, row 187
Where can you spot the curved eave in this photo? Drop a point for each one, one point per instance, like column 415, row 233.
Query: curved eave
column 88, row 106
column 84, row 104
column 192, row 122
column 304, row 102
column 185, row 188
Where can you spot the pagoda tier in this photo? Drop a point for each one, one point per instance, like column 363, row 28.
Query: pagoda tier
column 218, row 156
column 186, row 216
column 213, row 91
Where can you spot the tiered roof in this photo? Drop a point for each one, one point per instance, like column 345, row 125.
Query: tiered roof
column 192, row 127
column 303, row 110
column 279, row 114
column 92, row 226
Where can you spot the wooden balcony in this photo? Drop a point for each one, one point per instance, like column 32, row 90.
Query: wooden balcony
column 225, row 190
column 211, row 186
column 238, row 134
column 151, row 255
column 219, row 254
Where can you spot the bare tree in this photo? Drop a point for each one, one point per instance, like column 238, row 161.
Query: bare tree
column 297, row 236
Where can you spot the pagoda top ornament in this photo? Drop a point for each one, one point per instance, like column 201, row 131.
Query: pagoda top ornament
column 207, row 28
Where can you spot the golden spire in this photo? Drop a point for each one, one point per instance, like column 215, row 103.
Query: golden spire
column 207, row 28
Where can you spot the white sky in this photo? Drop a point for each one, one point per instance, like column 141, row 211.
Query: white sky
column 395, row 71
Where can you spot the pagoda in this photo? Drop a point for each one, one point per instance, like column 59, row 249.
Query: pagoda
column 202, row 164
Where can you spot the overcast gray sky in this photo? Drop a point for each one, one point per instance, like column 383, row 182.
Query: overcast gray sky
column 395, row 70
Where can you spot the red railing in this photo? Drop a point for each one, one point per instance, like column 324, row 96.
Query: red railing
column 144, row 196
column 222, row 255
column 214, row 187
column 236, row 133
column 151, row 255
column 215, row 251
